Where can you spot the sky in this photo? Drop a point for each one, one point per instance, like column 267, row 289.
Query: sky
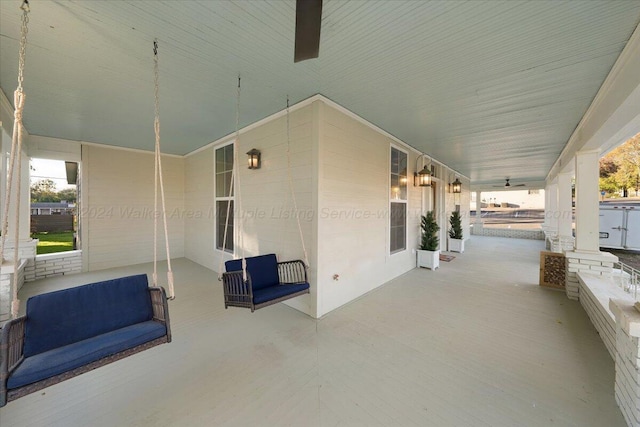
column 52, row 169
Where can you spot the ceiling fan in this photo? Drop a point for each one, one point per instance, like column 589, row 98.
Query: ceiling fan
column 308, row 18
column 508, row 185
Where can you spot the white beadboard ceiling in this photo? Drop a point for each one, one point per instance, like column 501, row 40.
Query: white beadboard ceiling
column 492, row 89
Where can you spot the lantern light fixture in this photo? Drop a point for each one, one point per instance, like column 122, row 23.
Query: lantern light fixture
column 254, row 158
column 456, row 186
column 422, row 178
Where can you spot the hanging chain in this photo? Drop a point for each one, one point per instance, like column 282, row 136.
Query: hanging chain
column 238, row 111
column 288, row 138
column 159, row 180
column 238, row 205
column 156, row 90
column 23, row 42
column 156, row 128
column 15, row 161
column 234, row 176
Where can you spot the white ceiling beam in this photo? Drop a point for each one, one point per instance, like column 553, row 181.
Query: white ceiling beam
column 613, row 116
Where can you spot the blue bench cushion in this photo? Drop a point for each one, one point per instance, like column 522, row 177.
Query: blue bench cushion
column 263, row 270
column 64, row 317
column 278, row 291
column 63, row 359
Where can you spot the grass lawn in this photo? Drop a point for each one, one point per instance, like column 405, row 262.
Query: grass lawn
column 54, row 242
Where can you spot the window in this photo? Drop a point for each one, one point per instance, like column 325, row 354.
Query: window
column 224, row 197
column 398, row 202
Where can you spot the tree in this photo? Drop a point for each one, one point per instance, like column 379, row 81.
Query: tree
column 621, row 167
column 68, row 194
column 44, row 190
column 607, row 167
column 629, row 170
column 609, row 185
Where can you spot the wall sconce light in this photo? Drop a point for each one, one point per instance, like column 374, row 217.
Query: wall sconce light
column 254, row 158
column 456, row 186
column 422, row 178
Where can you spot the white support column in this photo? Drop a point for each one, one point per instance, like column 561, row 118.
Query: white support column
column 546, row 224
column 551, row 209
column 587, row 256
column 26, row 244
column 587, row 203
column 565, row 212
column 477, row 224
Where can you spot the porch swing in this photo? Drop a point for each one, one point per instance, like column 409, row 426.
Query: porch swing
column 261, row 281
column 73, row 331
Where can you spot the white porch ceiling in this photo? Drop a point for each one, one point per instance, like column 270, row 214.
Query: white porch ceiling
column 492, row 89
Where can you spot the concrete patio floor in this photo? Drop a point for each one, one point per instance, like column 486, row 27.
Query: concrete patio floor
column 475, row 343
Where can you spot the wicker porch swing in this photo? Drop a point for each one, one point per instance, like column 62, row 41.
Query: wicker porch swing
column 62, row 334
column 261, row 281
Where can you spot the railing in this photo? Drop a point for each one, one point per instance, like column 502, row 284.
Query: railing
column 627, row 278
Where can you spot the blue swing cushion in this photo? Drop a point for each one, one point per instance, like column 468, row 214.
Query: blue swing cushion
column 73, row 327
column 265, row 281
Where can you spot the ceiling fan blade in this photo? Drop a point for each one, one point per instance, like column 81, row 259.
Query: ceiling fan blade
column 519, row 185
column 308, row 18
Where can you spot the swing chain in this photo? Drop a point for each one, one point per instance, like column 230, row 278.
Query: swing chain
column 158, row 181
column 231, row 188
column 238, row 111
column 156, row 90
column 24, row 29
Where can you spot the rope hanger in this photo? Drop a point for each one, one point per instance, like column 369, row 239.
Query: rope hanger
column 15, row 161
column 236, row 176
column 158, row 180
column 293, row 193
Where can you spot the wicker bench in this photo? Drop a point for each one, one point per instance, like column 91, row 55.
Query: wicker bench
column 268, row 282
column 72, row 331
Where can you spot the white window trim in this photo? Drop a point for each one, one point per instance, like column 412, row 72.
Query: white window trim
column 217, row 199
column 405, row 201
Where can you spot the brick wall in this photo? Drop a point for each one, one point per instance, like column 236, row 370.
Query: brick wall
column 627, row 385
column 56, row 264
column 600, row 264
column 595, row 293
column 515, row 233
column 6, row 291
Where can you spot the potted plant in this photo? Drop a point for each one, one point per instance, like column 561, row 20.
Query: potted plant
column 456, row 241
column 428, row 254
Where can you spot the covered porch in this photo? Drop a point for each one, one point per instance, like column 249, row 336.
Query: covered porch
column 476, row 342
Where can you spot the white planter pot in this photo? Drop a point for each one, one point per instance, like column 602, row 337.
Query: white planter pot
column 456, row 245
column 429, row 259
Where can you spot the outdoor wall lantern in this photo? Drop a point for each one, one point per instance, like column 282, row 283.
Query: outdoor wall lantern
column 456, row 186
column 254, row 158
column 422, row 178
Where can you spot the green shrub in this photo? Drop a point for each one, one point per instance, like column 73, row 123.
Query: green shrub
column 455, row 232
column 430, row 228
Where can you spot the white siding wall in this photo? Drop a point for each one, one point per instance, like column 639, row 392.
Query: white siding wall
column 341, row 171
column 353, row 209
column 117, row 209
column 267, row 208
column 199, row 224
column 269, row 224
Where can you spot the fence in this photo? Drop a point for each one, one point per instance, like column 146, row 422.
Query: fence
column 51, row 223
